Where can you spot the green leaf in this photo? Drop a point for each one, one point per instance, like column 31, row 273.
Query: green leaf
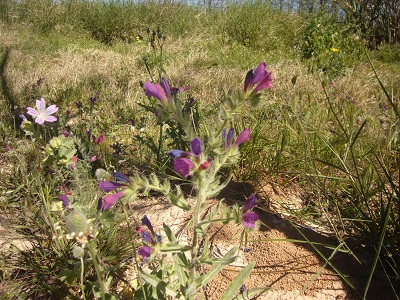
column 159, row 284
column 179, row 199
column 68, row 275
column 174, row 248
column 171, row 237
column 234, row 287
column 218, row 266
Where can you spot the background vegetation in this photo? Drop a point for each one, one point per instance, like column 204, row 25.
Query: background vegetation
column 330, row 127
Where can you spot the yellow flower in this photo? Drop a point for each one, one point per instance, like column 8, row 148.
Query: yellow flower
column 333, row 49
column 138, row 38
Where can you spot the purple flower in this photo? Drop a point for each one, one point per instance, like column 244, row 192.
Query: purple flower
column 146, row 221
column 165, row 87
column 227, row 139
column 183, row 166
column 249, row 218
column 250, row 203
column 145, row 252
column 98, row 140
column 196, row 147
column 148, row 237
column 64, row 199
column 244, row 136
column 258, row 79
column 43, row 114
column 160, row 91
column 107, row 186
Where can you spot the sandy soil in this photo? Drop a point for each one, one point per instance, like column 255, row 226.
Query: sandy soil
column 291, row 270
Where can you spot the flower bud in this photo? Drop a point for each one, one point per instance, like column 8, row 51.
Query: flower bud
column 77, row 222
column 78, row 252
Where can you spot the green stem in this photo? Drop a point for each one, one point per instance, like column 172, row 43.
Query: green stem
column 159, row 142
column 196, row 221
column 82, row 285
column 96, row 265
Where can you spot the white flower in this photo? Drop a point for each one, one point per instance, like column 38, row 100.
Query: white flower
column 43, row 114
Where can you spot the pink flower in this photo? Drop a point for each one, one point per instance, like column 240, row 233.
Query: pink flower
column 258, row 79
column 108, row 186
column 43, row 114
column 160, row 91
column 98, row 140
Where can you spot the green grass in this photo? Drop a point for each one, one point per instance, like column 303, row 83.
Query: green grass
column 333, row 136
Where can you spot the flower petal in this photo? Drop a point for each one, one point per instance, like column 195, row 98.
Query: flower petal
column 33, row 112
column 249, row 219
column 51, row 109
column 145, row 252
column 250, row 203
column 41, row 105
column 39, row 120
column 153, row 90
column 165, row 87
column 146, row 221
column 100, row 204
column 183, row 166
column 108, row 186
column 196, row 146
column 244, row 136
column 110, row 200
column 146, row 237
column 266, row 82
column 64, row 199
column 175, row 153
column 205, row 165
column 121, row 177
column 248, row 80
column 231, row 133
column 50, row 119
column 259, row 73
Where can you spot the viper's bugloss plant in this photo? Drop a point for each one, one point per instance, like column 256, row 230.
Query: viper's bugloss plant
column 200, row 164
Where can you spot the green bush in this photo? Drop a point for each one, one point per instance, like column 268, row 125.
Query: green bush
column 388, row 53
column 331, row 46
column 257, row 25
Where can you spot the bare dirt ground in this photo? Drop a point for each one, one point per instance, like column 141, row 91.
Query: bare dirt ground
column 292, row 270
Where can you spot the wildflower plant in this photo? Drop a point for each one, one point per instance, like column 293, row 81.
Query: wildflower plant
column 200, row 164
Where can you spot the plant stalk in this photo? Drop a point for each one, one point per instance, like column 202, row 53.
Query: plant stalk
column 96, row 265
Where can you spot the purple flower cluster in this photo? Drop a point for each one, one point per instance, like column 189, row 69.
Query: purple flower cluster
column 122, row 182
column 191, row 161
column 150, row 238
